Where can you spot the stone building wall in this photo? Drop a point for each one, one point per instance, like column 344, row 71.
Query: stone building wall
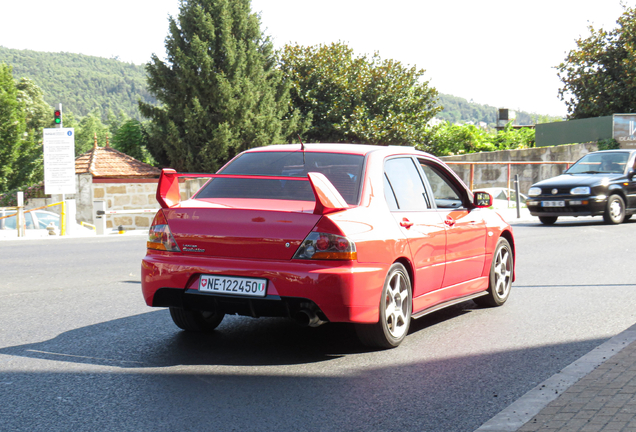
column 127, row 196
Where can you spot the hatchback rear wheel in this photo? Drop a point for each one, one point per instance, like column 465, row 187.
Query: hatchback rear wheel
column 395, row 312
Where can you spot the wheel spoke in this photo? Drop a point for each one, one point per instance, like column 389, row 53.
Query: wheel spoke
column 396, row 305
column 502, row 272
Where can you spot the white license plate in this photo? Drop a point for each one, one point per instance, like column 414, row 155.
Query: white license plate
column 552, row 203
column 233, row 285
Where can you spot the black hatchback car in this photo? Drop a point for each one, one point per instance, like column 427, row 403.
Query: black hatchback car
column 599, row 184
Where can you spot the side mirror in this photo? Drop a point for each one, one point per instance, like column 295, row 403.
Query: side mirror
column 631, row 173
column 482, row 199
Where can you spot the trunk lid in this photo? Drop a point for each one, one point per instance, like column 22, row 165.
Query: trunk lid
column 230, row 232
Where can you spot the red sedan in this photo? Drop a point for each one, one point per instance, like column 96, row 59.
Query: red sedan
column 370, row 235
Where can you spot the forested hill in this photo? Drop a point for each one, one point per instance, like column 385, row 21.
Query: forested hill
column 85, row 83
column 82, row 83
column 459, row 110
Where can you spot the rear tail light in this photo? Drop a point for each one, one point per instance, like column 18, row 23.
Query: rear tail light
column 323, row 246
column 160, row 237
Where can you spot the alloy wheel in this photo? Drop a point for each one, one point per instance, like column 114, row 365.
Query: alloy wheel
column 397, row 304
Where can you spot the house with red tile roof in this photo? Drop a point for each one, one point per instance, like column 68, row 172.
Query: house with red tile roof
column 122, row 182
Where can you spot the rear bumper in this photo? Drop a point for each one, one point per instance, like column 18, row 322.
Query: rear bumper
column 342, row 291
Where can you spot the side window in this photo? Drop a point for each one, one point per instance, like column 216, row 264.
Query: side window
column 389, row 195
column 403, row 186
column 10, row 222
column 444, row 192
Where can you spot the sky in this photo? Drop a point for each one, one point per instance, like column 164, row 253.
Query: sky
column 501, row 53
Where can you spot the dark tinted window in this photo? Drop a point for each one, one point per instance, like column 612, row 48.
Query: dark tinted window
column 343, row 171
column 405, row 185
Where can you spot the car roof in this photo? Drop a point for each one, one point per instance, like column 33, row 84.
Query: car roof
column 355, row 149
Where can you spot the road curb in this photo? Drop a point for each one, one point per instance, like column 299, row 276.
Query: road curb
column 530, row 404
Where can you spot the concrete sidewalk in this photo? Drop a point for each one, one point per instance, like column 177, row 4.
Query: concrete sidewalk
column 595, row 393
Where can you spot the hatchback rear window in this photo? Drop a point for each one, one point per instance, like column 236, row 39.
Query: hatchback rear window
column 343, row 171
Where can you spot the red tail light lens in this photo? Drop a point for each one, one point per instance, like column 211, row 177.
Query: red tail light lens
column 322, row 246
column 323, row 242
column 160, row 237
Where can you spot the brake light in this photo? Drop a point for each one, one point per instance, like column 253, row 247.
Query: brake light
column 323, row 246
column 159, row 236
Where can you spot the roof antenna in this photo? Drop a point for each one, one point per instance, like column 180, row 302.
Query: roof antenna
column 302, row 148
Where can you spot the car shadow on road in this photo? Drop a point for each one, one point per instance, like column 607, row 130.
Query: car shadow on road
column 152, row 340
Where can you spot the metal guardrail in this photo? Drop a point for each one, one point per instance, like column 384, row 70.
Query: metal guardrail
column 508, row 163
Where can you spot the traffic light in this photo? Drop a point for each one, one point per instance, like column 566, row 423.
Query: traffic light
column 57, row 116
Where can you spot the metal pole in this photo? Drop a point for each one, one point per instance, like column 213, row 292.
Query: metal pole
column 63, row 220
column 508, row 185
column 20, row 222
column 517, row 197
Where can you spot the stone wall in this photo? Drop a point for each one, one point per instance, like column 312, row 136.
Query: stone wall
column 127, row 196
column 117, row 195
column 487, row 176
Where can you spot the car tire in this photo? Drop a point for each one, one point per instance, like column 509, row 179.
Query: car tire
column 501, row 275
column 615, row 210
column 395, row 312
column 196, row 321
column 548, row 220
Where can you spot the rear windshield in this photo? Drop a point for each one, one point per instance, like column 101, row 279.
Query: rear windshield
column 343, row 171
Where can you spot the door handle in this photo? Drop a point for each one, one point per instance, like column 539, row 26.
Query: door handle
column 406, row 223
column 449, row 221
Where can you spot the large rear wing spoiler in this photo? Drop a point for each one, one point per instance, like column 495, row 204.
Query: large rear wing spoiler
column 328, row 199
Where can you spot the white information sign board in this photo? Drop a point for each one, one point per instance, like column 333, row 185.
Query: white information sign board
column 59, row 161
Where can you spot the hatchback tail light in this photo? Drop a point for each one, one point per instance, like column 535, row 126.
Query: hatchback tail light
column 323, row 246
column 160, row 237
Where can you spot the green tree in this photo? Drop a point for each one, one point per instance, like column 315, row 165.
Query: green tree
column 85, row 132
column 219, row 87
column 451, row 139
column 12, row 126
column 38, row 115
column 130, row 138
column 511, row 139
column 357, row 99
column 598, row 76
column 18, row 145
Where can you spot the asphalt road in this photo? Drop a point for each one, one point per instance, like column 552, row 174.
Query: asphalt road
column 80, row 351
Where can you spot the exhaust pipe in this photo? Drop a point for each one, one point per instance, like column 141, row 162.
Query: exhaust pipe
column 308, row 318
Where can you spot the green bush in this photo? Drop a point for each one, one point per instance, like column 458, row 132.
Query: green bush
column 10, row 199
